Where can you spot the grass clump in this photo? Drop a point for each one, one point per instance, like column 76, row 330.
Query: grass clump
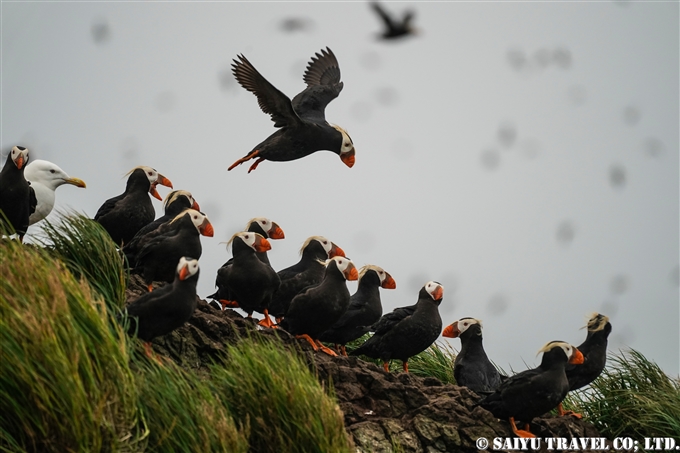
column 632, row 397
column 436, row 361
column 273, row 390
column 64, row 372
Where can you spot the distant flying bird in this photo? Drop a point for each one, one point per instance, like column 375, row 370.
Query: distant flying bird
column 406, row 331
column 302, row 122
column 393, row 28
column 17, row 197
column 123, row 216
column 536, row 391
column 472, row 368
column 45, row 177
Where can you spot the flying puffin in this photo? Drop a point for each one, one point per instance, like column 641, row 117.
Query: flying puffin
column 536, row 391
column 364, row 309
column 169, row 242
column 247, row 280
column 394, row 29
column 315, row 310
column 17, row 197
column 168, row 308
column 175, row 203
column 123, row 216
column 309, row 271
column 472, row 368
column 406, row 331
column 45, row 177
column 303, row 126
column 594, row 350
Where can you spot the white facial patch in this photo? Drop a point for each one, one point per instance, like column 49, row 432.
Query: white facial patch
column 265, row 224
column 196, row 217
column 431, row 287
column 191, row 264
column 325, row 243
column 465, row 323
column 249, row 238
column 151, row 173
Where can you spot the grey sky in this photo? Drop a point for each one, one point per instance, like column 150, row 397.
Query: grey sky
column 525, row 155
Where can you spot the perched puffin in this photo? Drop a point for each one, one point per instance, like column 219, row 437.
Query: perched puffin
column 303, row 126
column 394, row 29
column 406, row 331
column 17, row 197
column 175, row 203
column 247, row 280
column 534, row 392
column 123, row 216
column 315, row 310
column 472, row 368
column 594, row 350
column 168, row 308
column 364, row 309
column 177, row 238
column 45, row 177
column 309, row 271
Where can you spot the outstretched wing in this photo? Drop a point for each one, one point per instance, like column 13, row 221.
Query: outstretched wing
column 272, row 101
column 384, row 15
column 323, row 85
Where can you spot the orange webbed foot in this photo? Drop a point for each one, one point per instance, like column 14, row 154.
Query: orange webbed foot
column 266, row 321
column 561, row 412
column 524, row 433
column 244, row 159
column 254, row 166
column 325, row 349
column 304, row 336
column 228, row 304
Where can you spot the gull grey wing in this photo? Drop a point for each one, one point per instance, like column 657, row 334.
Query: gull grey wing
column 272, row 101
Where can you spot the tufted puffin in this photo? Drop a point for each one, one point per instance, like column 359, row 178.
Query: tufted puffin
column 246, row 280
column 303, row 126
column 394, row 29
column 177, row 238
column 406, row 331
column 168, row 308
column 364, row 309
column 123, row 216
column 594, row 350
column 45, row 177
column 309, row 271
column 17, row 197
column 175, row 203
column 316, row 309
column 472, row 368
column 534, row 392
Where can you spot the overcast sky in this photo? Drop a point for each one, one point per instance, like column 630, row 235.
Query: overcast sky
column 525, row 155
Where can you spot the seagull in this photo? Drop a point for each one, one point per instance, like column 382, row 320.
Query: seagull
column 45, row 177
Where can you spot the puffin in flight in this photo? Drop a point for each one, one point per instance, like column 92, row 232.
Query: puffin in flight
column 393, row 28
column 302, row 122
column 17, row 197
column 45, row 177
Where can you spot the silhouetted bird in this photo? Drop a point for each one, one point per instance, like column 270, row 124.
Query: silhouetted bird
column 393, row 28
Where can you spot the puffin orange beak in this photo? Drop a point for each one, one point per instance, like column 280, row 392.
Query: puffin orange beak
column 154, row 192
column 351, row 273
column 262, row 245
column 451, row 331
column 19, row 162
column 76, row 182
column 206, row 229
column 335, row 251
column 275, row 232
column 195, row 206
column 184, row 273
column 162, row 180
column 576, row 357
column 348, row 158
column 438, row 293
column 389, row 282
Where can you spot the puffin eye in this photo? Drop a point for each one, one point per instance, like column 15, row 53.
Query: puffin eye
column 52, row 171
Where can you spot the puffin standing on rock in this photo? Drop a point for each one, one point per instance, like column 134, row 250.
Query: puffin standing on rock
column 17, row 197
column 406, row 331
column 472, row 368
column 315, row 310
column 302, row 122
column 45, row 177
column 168, row 308
column 365, row 308
column 534, row 392
column 123, row 216
column 247, row 281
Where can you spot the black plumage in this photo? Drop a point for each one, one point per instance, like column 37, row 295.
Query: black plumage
column 17, row 198
column 394, row 28
column 180, row 237
column 536, row 391
column 309, row 271
column 302, row 121
column 168, row 308
column 406, row 331
column 472, row 368
column 123, row 216
column 365, row 308
column 315, row 310
column 246, row 280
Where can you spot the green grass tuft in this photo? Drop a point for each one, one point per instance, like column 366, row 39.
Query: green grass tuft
column 273, row 390
column 436, row 361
